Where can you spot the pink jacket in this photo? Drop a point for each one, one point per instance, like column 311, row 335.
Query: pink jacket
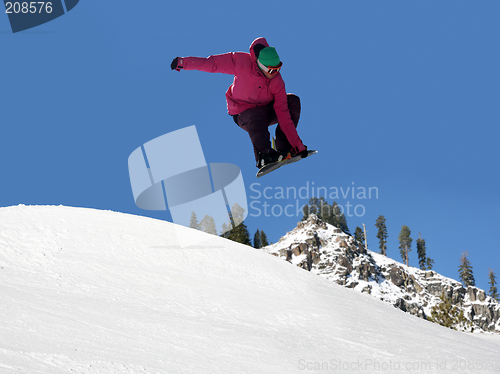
column 250, row 87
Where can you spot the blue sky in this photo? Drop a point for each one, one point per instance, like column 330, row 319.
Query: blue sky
column 399, row 96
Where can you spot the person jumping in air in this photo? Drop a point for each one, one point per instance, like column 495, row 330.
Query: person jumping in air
column 257, row 98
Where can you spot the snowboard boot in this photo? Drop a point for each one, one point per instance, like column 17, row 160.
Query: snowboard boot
column 269, row 158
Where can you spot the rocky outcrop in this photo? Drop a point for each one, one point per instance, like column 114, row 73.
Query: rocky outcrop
column 325, row 250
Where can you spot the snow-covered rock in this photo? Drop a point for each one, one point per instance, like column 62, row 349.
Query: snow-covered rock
column 325, row 250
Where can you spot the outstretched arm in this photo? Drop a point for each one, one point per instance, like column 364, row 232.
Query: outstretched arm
column 224, row 63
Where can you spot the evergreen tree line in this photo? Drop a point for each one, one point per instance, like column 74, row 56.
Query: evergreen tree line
column 405, row 242
column 333, row 215
column 238, row 233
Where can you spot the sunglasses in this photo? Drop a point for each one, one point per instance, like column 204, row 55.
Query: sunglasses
column 271, row 70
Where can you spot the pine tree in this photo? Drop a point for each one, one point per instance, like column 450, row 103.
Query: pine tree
column 405, row 244
column 337, row 218
column 333, row 215
column 193, row 223
column 313, row 205
column 493, row 285
column 324, row 210
column 226, row 227
column 305, row 212
column 237, row 215
column 343, row 224
column 207, row 225
column 382, row 234
column 263, row 239
column 359, row 235
column 329, row 214
column 465, row 271
column 424, row 262
column 448, row 315
column 256, row 240
column 239, row 233
column 316, row 206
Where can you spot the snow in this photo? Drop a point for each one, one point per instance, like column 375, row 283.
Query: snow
column 90, row 291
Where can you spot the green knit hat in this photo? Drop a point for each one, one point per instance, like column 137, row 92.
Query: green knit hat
column 269, row 57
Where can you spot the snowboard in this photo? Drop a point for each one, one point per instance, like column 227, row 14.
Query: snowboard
column 276, row 165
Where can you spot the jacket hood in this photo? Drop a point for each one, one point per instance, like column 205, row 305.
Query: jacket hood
column 260, row 40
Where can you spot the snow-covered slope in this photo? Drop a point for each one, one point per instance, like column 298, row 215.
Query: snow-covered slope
column 89, row 291
column 325, row 250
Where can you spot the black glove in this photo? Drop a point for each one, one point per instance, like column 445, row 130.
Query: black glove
column 302, row 154
column 175, row 64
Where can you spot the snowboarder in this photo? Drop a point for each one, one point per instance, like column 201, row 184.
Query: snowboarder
column 257, row 98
